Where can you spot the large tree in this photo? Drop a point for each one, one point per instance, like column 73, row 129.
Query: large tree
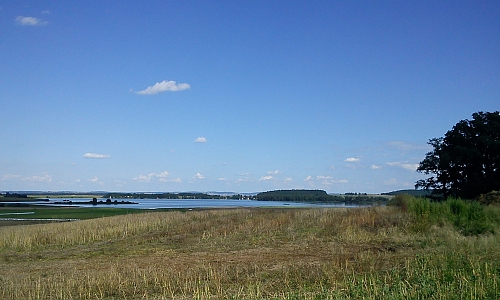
column 466, row 161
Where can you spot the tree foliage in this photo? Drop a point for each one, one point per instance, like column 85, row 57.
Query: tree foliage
column 466, row 161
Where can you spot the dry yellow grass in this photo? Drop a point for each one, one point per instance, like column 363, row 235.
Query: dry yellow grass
column 241, row 254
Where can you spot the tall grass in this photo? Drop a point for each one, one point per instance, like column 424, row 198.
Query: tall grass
column 367, row 253
column 469, row 217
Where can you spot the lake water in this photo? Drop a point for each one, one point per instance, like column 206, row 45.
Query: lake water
column 188, row 203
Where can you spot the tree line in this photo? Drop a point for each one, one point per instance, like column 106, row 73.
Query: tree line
column 320, row 196
column 183, row 195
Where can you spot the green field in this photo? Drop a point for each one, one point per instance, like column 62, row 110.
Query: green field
column 414, row 250
column 64, row 212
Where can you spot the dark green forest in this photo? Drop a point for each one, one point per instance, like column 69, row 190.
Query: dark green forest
column 184, row 195
column 320, row 196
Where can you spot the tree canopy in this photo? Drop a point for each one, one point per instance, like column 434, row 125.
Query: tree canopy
column 466, row 161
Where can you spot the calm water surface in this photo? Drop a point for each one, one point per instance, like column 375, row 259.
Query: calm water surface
column 189, row 203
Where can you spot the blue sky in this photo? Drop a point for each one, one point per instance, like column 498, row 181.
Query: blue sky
column 240, row 96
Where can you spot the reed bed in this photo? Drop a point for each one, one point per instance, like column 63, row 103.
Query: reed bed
column 365, row 253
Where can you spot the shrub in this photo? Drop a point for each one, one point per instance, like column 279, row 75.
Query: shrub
column 469, row 217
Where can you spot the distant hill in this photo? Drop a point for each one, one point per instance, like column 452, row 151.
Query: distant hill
column 412, row 192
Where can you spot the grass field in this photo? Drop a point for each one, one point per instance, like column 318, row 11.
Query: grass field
column 51, row 212
column 401, row 252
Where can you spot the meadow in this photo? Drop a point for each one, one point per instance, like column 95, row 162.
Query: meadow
column 415, row 249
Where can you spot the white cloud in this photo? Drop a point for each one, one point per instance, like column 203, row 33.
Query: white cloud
column 95, row 179
column 10, row 177
column 273, row 172
column 43, row 177
column 332, row 167
column 46, row 11
column 352, row 159
column 30, row 21
column 199, row 176
column 404, row 146
column 288, row 180
column 406, row 166
column 164, row 86
column 376, row 167
column 142, row 178
column 308, row 178
column 152, row 176
column 326, row 180
column 222, row 179
column 95, row 155
column 201, row 139
column 268, row 177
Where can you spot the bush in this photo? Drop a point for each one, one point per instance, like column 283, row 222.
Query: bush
column 401, row 200
column 468, row 217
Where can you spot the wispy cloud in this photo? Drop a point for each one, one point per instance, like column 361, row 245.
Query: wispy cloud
column 201, row 139
column 268, row 177
column 324, row 180
column 10, row 177
column 398, row 183
column 375, row 167
column 43, row 177
column 46, row 12
column 30, row 21
column 95, row 179
column 165, row 85
column 406, row 166
column 275, row 172
column 352, row 159
column 404, row 146
column 96, row 156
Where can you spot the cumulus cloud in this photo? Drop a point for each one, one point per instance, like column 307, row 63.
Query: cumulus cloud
column 153, row 176
column 95, row 155
column 165, row 85
column 201, row 139
column 199, row 176
column 375, row 167
column 30, row 21
column 406, row 166
column 264, row 178
column 308, row 178
column 273, row 172
column 352, row 159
